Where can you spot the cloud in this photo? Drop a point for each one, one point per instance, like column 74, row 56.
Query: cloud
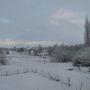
column 69, row 16
column 64, row 14
column 11, row 42
column 53, row 22
column 77, row 21
column 5, row 20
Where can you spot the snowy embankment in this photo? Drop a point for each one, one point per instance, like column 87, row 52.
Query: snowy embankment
column 30, row 73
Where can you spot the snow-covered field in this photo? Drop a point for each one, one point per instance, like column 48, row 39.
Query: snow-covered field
column 25, row 72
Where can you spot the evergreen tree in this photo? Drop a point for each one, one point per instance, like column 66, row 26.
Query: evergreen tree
column 87, row 36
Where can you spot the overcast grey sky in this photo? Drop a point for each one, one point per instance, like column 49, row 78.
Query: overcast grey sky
column 42, row 21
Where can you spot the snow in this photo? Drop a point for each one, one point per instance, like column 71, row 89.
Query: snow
column 26, row 72
column 27, row 82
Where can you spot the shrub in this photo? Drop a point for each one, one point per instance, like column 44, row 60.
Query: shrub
column 62, row 54
column 82, row 57
column 3, row 60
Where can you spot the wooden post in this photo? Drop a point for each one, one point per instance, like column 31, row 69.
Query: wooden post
column 69, row 82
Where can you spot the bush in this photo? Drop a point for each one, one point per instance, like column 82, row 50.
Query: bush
column 82, row 57
column 62, row 54
column 3, row 60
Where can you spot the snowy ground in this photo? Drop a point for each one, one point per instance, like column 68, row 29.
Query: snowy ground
column 30, row 73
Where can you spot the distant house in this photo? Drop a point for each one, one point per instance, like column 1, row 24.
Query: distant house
column 44, row 52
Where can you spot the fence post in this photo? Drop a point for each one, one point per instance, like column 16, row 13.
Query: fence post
column 69, row 82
